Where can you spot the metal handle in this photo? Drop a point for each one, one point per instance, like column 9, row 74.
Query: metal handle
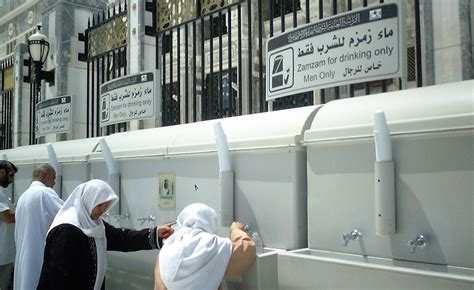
column 118, row 217
column 419, row 242
column 247, row 229
column 149, row 218
column 352, row 236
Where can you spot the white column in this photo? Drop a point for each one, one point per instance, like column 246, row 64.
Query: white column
column 451, row 41
column 136, row 38
column 21, row 100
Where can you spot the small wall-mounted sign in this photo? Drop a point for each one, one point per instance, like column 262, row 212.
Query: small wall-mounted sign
column 54, row 116
column 128, row 98
column 167, row 190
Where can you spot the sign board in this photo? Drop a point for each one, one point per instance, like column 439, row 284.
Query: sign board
column 167, row 190
column 128, row 98
column 54, row 116
column 358, row 46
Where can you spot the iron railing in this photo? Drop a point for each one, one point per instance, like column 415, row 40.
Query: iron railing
column 213, row 65
column 6, row 89
column 105, row 52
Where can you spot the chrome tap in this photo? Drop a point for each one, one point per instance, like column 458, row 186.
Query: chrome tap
column 247, row 229
column 118, row 217
column 150, row 219
column 419, row 242
column 352, row 236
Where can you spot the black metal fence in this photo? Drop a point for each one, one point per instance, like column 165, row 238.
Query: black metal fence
column 105, row 52
column 6, row 89
column 213, row 61
column 213, row 65
column 208, row 82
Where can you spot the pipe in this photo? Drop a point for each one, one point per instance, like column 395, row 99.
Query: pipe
column 383, row 144
column 384, row 173
column 226, row 178
column 112, row 165
column 53, row 159
column 225, row 163
column 112, row 169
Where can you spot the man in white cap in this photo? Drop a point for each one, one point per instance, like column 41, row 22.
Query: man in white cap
column 35, row 212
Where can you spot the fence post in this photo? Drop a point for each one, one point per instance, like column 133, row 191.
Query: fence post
column 136, row 39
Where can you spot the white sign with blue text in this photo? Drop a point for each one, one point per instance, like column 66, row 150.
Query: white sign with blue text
column 358, row 46
column 53, row 116
column 128, row 98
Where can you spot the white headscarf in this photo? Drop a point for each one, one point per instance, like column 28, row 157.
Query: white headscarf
column 77, row 211
column 194, row 257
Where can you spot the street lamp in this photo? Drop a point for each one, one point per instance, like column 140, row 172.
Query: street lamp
column 38, row 48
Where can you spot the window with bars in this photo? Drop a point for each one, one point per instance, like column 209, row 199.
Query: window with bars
column 294, row 101
column 170, row 104
column 277, row 6
column 211, row 27
column 217, row 104
column 211, row 30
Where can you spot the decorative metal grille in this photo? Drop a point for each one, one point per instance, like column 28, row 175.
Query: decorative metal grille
column 294, row 101
column 8, row 79
column 411, row 64
column 211, row 5
column 105, row 44
column 108, row 36
column 174, row 12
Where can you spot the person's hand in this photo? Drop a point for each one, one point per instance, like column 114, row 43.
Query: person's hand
column 237, row 226
column 166, row 228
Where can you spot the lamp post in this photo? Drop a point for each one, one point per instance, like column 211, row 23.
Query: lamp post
column 38, row 48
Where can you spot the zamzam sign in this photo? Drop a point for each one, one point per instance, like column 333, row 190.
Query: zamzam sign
column 359, row 46
column 53, row 116
column 128, row 98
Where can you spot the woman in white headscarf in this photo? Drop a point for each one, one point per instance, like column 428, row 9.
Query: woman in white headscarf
column 194, row 257
column 77, row 241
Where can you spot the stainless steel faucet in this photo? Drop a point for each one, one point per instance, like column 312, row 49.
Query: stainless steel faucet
column 352, row 236
column 419, row 242
column 118, row 217
column 150, row 219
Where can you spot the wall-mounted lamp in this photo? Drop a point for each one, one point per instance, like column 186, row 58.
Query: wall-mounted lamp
column 38, row 48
